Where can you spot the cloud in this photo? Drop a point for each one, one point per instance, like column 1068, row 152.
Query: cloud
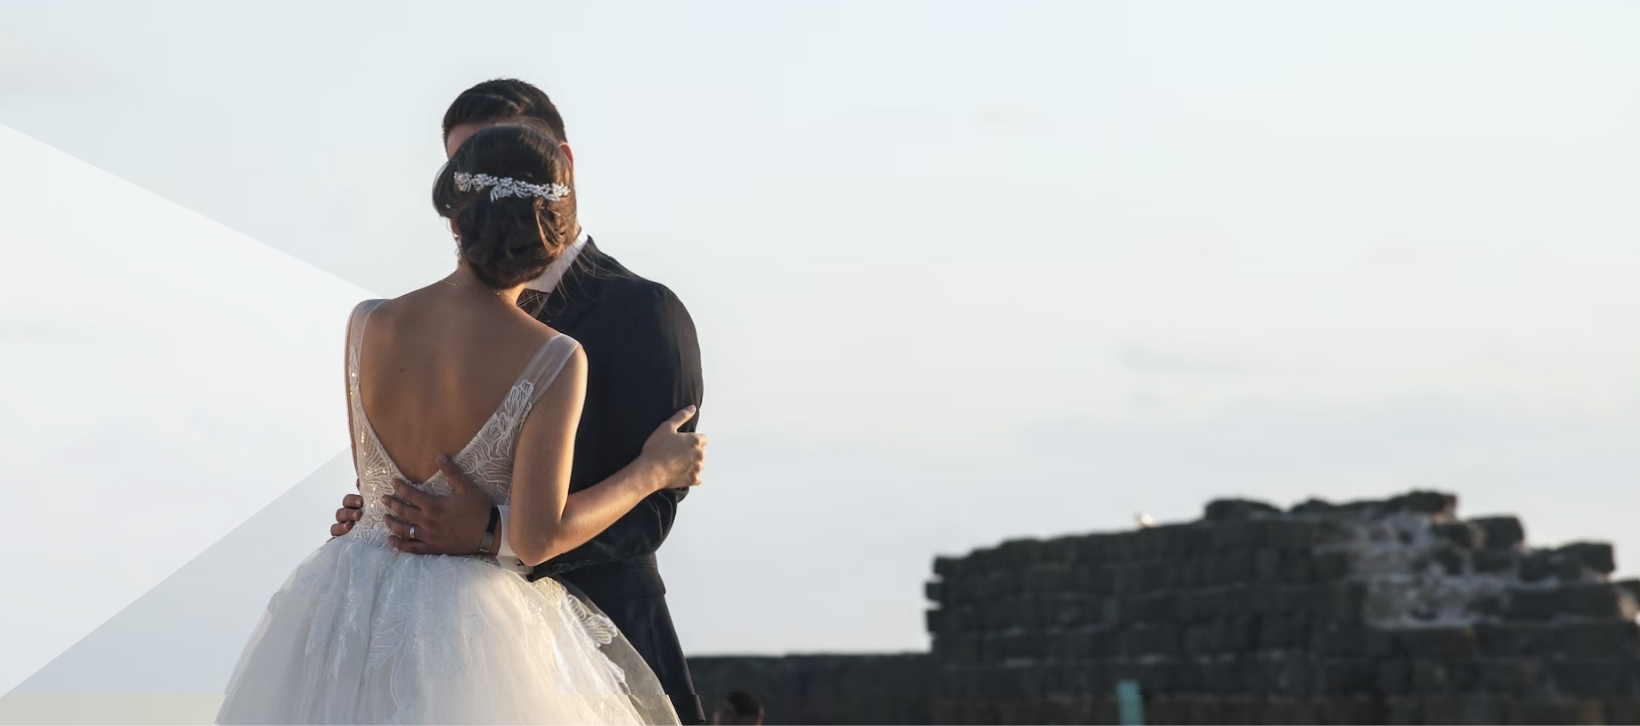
column 1005, row 116
column 1140, row 359
column 1571, row 475
column 29, row 70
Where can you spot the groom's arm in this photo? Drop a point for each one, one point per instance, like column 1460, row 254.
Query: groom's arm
column 655, row 373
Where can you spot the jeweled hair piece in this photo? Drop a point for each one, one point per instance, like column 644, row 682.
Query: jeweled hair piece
column 509, row 187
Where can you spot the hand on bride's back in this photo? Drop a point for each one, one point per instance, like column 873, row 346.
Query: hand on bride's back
column 680, row 455
column 348, row 515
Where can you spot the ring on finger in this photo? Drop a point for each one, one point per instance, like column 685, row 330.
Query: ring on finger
column 412, row 531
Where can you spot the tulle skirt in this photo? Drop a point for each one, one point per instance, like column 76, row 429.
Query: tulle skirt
column 362, row 633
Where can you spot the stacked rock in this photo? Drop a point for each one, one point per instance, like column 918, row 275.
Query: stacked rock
column 1367, row 612
column 822, row 689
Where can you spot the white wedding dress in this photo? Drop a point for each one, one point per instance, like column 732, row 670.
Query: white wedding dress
column 362, row 633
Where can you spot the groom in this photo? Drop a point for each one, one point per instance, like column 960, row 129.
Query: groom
column 643, row 366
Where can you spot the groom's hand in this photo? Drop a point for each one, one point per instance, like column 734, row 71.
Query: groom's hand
column 445, row 525
column 348, row 515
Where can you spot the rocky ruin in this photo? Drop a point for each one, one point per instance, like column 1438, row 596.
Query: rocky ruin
column 1392, row 611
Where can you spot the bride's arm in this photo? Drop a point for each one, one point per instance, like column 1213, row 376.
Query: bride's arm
column 544, row 519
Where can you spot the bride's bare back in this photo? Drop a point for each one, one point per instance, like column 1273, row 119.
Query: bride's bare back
column 436, row 365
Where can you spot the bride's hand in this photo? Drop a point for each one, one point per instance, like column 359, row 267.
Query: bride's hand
column 678, row 455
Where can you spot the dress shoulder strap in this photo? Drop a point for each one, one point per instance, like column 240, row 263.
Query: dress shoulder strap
column 355, row 329
column 355, row 323
column 355, row 338
column 547, row 364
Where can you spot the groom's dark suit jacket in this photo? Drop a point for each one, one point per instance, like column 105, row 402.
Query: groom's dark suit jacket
column 643, row 365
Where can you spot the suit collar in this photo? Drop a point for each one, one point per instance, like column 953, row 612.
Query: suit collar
column 580, row 288
column 555, row 272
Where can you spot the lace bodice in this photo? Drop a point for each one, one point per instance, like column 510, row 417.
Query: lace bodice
column 487, row 458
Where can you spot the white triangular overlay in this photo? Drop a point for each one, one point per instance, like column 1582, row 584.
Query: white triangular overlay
column 164, row 378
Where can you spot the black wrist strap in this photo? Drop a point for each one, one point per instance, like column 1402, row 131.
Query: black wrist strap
column 488, row 545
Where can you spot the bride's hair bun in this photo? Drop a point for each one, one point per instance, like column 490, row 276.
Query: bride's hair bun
column 509, row 193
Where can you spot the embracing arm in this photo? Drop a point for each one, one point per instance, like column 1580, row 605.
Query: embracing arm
column 658, row 373
column 545, row 520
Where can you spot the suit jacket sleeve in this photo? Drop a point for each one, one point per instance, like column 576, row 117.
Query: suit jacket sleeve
column 657, row 372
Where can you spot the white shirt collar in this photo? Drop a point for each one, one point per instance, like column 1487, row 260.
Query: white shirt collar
column 549, row 279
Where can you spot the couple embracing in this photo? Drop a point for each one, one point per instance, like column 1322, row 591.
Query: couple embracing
column 523, row 433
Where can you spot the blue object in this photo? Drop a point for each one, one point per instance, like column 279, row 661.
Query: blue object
column 1130, row 706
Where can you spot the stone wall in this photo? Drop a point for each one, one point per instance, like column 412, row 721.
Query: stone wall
column 1369, row 612
column 823, row 689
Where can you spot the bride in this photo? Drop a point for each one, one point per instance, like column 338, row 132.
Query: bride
column 362, row 633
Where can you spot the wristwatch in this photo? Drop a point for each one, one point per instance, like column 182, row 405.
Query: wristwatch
column 487, row 546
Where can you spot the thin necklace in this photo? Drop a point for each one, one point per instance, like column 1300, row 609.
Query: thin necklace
column 457, row 285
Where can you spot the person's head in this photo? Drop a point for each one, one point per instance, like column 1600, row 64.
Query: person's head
column 509, row 194
column 492, row 102
column 739, row 709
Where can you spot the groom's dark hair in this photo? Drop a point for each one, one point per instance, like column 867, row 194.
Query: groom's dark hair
column 503, row 99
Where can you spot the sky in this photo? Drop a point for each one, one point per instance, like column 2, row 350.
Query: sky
column 962, row 272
